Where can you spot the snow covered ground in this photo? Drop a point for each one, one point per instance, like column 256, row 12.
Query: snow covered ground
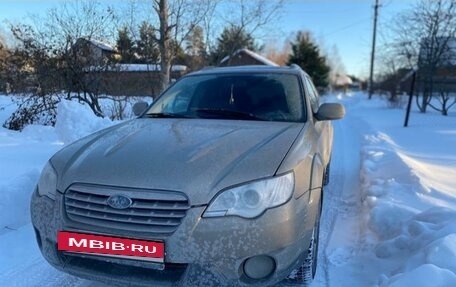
column 389, row 212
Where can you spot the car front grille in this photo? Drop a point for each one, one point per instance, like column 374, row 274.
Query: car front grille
column 151, row 211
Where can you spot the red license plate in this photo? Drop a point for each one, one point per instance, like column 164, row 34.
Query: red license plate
column 111, row 246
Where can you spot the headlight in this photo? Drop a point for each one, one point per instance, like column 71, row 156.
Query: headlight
column 48, row 181
column 252, row 199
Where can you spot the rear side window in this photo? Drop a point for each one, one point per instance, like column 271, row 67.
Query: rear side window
column 313, row 94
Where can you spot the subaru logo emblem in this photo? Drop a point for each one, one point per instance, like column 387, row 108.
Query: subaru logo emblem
column 119, row 201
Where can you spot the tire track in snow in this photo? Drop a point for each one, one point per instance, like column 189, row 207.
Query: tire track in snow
column 342, row 202
column 331, row 193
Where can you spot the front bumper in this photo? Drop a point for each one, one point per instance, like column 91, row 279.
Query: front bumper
column 201, row 252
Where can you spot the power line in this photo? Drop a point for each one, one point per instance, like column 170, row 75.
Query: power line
column 346, row 27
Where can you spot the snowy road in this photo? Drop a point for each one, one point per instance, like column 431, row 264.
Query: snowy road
column 341, row 204
column 384, row 219
column 343, row 220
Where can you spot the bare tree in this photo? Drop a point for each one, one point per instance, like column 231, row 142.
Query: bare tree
column 46, row 61
column 4, row 54
column 421, row 37
column 446, row 101
column 74, row 22
column 391, row 80
column 335, row 63
column 278, row 54
column 177, row 19
column 251, row 17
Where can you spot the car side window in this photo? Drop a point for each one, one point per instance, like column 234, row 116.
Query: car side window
column 313, row 95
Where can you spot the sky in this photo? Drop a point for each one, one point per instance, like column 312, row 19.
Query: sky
column 345, row 24
column 348, row 25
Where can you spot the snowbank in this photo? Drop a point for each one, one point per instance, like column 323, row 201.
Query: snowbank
column 14, row 199
column 425, row 275
column 7, row 107
column 23, row 155
column 409, row 197
column 75, row 121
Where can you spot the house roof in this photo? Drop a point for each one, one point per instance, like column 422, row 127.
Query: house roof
column 102, row 45
column 252, row 54
column 342, row 80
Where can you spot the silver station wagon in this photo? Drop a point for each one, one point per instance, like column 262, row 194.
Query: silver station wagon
column 218, row 183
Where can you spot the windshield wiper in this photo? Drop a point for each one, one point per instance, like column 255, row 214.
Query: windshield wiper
column 229, row 113
column 165, row 115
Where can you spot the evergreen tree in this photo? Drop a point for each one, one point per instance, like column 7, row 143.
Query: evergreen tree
column 125, row 45
column 146, row 45
column 4, row 73
column 196, row 49
column 232, row 39
column 307, row 55
column 178, row 52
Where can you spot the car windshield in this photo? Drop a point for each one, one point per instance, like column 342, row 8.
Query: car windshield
column 253, row 96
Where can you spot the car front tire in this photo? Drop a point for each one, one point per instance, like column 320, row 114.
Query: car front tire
column 304, row 275
column 326, row 174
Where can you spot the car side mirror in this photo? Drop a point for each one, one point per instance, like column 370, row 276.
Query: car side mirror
column 330, row 111
column 139, row 108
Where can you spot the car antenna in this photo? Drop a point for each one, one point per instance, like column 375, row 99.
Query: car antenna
column 232, row 95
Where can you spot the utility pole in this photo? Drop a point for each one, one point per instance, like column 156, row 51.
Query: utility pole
column 374, row 36
column 409, row 105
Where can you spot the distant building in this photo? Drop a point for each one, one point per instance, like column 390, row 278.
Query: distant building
column 94, row 52
column 440, row 51
column 132, row 79
column 104, row 75
column 437, row 64
column 342, row 82
column 245, row 57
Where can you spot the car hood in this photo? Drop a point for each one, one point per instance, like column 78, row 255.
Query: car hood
column 196, row 156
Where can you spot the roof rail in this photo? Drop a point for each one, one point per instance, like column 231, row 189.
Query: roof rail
column 207, row 68
column 295, row 66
